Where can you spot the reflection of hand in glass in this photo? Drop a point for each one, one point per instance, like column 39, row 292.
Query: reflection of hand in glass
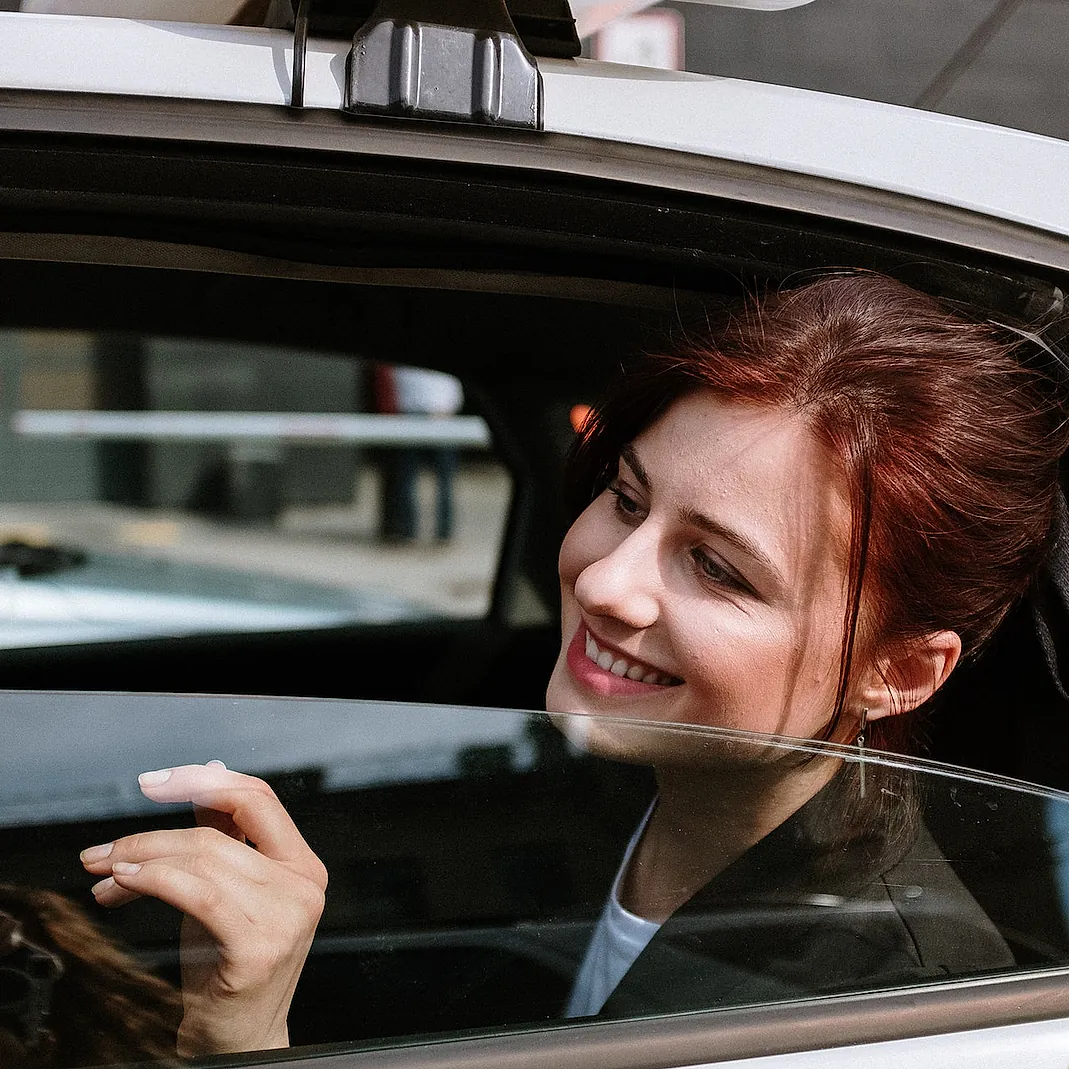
column 250, row 910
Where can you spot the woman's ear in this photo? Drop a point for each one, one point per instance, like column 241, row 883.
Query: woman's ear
column 910, row 674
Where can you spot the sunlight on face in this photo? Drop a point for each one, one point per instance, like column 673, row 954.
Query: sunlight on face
column 707, row 584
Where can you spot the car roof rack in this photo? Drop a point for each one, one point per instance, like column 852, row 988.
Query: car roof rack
column 546, row 27
column 454, row 60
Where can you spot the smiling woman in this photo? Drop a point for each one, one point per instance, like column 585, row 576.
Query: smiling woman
column 847, row 455
column 799, row 528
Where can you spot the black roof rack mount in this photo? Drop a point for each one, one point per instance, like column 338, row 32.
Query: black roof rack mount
column 462, row 61
column 546, row 27
column 458, row 60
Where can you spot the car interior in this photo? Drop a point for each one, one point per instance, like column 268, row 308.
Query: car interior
column 531, row 289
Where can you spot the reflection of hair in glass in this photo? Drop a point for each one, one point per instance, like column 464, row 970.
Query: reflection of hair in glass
column 949, row 443
column 94, row 1006
column 27, row 975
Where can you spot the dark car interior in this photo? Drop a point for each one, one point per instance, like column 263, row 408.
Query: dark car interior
column 532, row 289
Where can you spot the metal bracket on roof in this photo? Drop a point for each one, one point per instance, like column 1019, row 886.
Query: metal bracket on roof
column 458, row 60
column 300, row 50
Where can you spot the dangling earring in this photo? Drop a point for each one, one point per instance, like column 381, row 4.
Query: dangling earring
column 861, row 750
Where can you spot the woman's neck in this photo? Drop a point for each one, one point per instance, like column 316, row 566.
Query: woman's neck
column 703, row 821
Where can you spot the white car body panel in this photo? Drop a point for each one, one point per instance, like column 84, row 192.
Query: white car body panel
column 1006, row 174
column 996, row 172
column 1038, row 1045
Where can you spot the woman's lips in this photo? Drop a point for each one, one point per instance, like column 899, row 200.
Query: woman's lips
column 605, row 680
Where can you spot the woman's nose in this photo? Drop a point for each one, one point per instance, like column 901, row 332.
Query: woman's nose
column 623, row 584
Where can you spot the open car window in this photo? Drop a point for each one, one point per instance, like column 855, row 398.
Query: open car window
column 165, row 487
column 471, row 854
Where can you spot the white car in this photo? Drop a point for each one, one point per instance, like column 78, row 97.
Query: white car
column 238, row 227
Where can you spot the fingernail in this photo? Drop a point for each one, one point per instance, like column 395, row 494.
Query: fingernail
column 154, row 779
column 216, row 764
column 125, row 868
column 95, row 853
column 102, row 886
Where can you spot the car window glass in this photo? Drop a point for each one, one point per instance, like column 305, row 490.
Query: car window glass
column 167, row 487
column 471, row 854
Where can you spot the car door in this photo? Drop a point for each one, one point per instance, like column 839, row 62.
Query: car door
column 519, row 263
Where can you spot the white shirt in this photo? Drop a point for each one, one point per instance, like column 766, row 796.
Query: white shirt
column 422, row 390
column 618, row 939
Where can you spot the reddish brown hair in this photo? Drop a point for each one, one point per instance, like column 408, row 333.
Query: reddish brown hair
column 949, row 443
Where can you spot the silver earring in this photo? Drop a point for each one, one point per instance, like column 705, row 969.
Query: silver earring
column 861, row 750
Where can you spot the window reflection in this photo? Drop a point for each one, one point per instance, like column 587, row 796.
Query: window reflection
column 471, row 852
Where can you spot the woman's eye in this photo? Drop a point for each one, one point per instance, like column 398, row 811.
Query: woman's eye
column 625, row 504
column 712, row 569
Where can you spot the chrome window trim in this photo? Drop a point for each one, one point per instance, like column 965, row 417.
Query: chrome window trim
column 724, row 1035
column 257, row 125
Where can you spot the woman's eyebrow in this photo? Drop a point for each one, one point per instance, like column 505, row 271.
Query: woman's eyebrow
column 736, row 538
column 630, row 458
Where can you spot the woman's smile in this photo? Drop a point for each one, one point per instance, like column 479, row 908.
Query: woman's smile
column 607, row 671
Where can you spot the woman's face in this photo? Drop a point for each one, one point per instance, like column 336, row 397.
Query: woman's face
column 707, row 584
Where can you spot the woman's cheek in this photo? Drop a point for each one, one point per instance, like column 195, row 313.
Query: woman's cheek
column 739, row 668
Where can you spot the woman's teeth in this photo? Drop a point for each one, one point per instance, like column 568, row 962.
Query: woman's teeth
column 621, row 667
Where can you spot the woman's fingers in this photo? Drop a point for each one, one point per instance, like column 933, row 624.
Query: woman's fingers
column 250, row 910
column 256, row 811
column 229, row 808
column 212, row 818
column 108, row 893
column 218, row 848
column 232, row 909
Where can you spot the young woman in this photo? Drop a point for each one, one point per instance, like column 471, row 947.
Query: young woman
column 797, row 526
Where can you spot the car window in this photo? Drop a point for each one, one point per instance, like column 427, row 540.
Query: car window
column 472, row 855
column 170, row 486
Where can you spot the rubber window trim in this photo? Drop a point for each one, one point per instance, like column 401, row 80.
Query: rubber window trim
column 567, row 155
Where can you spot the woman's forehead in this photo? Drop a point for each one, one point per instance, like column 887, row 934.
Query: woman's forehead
column 715, row 443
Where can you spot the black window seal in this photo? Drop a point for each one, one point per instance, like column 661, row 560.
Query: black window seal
column 242, row 124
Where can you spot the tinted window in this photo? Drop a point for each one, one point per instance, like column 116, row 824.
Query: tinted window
column 471, row 853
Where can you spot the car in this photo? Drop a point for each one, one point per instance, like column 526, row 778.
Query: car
column 213, row 241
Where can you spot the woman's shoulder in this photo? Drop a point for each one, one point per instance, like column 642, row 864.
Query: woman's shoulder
column 950, row 930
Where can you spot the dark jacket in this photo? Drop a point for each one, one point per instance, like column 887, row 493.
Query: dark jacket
column 844, row 896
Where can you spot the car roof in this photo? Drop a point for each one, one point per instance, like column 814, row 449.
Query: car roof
column 1005, row 174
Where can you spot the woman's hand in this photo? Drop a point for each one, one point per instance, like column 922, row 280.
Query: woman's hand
column 251, row 890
